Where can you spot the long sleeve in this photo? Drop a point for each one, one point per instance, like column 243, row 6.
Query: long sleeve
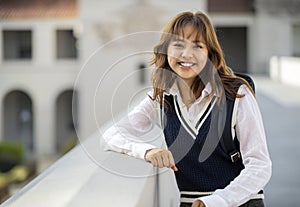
column 255, row 155
column 132, row 134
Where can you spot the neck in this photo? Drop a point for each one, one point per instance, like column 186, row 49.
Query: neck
column 186, row 92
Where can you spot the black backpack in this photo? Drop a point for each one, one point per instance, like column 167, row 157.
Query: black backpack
column 230, row 145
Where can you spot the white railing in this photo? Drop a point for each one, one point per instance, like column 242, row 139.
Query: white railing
column 90, row 176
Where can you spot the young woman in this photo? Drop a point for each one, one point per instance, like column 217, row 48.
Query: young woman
column 210, row 119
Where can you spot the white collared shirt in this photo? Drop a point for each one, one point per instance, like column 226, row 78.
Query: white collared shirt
column 125, row 135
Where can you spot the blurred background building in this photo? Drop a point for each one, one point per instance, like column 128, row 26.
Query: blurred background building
column 49, row 72
column 38, row 64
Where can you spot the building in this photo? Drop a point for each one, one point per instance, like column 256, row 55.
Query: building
column 99, row 50
column 39, row 60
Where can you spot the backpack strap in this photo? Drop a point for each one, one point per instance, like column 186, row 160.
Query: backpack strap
column 231, row 143
column 248, row 78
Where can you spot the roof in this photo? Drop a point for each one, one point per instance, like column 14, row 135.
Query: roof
column 10, row 9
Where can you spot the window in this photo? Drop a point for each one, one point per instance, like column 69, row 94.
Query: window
column 233, row 41
column 66, row 44
column 230, row 6
column 18, row 119
column 17, row 44
column 142, row 73
column 296, row 40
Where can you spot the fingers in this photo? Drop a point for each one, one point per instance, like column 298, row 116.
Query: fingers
column 161, row 158
column 172, row 162
column 174, row 168
column 198, row 203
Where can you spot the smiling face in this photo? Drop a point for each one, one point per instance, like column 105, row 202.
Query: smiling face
column 187, row 54
column 199, row 50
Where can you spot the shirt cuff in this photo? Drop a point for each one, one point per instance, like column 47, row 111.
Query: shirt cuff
column 213, row 201
column 140, row 149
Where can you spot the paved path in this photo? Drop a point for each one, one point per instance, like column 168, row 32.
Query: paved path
column 280, row 107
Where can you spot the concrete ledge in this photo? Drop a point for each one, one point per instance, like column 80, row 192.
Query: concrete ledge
column 90, row 176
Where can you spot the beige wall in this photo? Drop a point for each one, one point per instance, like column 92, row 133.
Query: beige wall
column 42, row 78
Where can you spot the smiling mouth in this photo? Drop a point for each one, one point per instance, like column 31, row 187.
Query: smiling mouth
column 186, row 64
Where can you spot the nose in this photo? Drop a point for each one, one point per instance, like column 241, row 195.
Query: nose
column 187, row 53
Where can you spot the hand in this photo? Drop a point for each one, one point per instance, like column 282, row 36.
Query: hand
column 160, row 158
column 198, row 203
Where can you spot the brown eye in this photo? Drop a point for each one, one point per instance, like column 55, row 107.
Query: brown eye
column 198, row 46
column 178, row 45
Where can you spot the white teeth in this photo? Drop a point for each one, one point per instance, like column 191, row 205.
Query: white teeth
column 186, row 64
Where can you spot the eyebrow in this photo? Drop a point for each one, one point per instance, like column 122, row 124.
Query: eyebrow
column 182, row 40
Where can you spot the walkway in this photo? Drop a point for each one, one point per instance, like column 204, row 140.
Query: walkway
column 280, row 107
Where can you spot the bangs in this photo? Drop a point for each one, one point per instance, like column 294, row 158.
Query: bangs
column 190, row 20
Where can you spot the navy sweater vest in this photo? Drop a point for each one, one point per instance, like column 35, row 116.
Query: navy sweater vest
column 217, row 171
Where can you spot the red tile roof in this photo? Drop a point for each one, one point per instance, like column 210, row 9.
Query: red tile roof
column 10, row 9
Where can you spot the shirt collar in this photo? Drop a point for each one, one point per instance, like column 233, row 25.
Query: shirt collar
column 174, row 90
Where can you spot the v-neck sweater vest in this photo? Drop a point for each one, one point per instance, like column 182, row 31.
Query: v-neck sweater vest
column 217, row 171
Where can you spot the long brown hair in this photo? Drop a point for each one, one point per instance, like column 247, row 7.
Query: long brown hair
column 161, row 79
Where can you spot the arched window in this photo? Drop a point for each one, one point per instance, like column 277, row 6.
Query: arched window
column 18, row 119
column 66, row 113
